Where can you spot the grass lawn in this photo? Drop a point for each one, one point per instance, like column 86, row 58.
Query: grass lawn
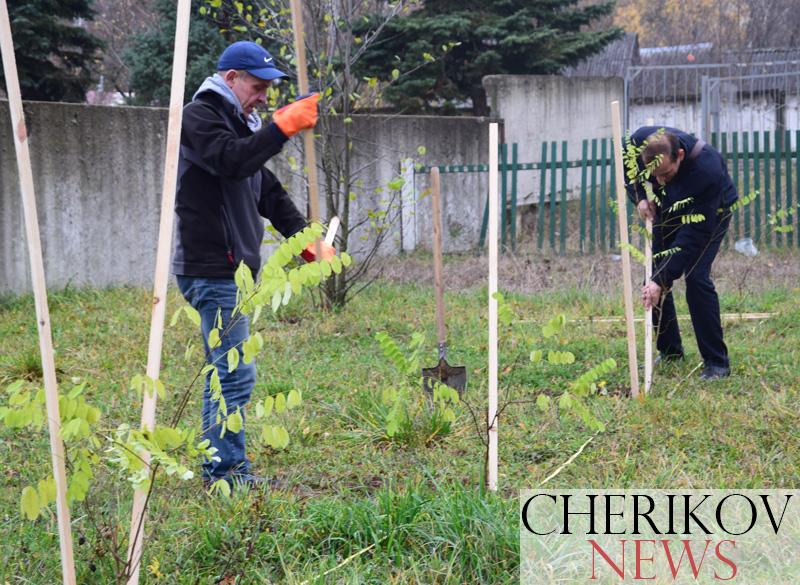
column 410, row 513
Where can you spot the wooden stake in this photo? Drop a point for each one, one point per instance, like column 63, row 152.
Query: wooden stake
column 20, row 132
column 648, row 313
column 303, row 88
column 491, row 472
column 622, row 215
column 170, row 179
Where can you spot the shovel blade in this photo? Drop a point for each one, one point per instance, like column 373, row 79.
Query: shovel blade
column 453, row 376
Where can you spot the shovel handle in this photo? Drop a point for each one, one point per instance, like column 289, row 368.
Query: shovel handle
column 437, row 254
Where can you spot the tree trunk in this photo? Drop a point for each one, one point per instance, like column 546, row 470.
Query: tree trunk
column 480, row 106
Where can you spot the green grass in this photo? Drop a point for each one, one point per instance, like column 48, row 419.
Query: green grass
column 410, row 513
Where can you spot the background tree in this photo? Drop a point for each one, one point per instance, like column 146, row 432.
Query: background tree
column 486, row 37
column 150, row 55
column 55, row 54
column 116, row 23
column 728, row 24
column 333, row 49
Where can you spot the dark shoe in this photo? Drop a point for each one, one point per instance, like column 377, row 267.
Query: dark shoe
column 715, row 373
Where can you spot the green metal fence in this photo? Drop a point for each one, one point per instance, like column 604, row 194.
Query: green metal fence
column 766, row 162
column 575, row 208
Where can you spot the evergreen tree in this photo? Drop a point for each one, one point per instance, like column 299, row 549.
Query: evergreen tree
column 493, row 37
column 55, row 54
column 151, row 54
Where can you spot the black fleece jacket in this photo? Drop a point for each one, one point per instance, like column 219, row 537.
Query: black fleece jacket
column 706, row 181
column 224, row 190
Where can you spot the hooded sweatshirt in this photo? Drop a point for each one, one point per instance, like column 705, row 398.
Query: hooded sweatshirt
column 223, row 189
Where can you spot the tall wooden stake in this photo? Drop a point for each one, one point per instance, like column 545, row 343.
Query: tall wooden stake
column 303, row 88
column 162, row 272
column 648, row 313
column 20, row 132
column 491, row 472
column 622, row 214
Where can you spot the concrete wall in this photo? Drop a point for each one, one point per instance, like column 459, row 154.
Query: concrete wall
column 549, row 107
column 97, row 176
column 98, row 173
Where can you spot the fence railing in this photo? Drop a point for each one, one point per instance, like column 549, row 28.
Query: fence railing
column 575, row 207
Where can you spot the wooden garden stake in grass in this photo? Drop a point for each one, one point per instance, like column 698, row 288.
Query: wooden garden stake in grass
column 140, row 497
column 20, row 132
column 648, row 313
column 491, row 415
column 622, row 215
column 303, row 88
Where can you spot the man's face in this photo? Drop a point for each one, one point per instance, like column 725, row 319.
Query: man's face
column 668, row 168
column 250, row 90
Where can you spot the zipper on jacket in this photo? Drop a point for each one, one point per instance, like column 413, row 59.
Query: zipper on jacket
column 227, row 231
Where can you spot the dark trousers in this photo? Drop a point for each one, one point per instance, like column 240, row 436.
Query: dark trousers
column 701, row 296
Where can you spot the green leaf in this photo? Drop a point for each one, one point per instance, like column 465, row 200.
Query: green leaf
column 193, row 315
column 294, row 399
column 175, row 315
column 159, row 387
column 346, row 259
column 235, row 421
column 233, row 359
column 543, row 402
column 276, row 301
column 221, row 486
column 281, row 437
column 14, row 386
column 47, row 491
column 213, row 338
column 395, row 73
column 536, row 356
column 280, row 403
column 30, row 503
column 269, row 402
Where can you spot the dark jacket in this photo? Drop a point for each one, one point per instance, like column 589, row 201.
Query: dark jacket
column 224, row 190
column 705, row 179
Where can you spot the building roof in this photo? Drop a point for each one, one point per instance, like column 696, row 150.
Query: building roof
column 677, row 71
column 612, row 61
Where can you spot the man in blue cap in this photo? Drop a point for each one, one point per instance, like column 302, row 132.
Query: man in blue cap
column 691, row 181
column 223, row 193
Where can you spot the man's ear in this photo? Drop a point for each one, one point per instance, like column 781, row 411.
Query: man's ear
column 229, row 76
column 681, row 155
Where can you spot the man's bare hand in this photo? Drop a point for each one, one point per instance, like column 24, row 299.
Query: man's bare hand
column 651, row 293
column 646, row 209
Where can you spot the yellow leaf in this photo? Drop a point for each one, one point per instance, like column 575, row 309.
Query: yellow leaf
column 30, row 503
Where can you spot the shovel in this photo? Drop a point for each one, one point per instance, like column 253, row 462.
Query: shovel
column 453, row 376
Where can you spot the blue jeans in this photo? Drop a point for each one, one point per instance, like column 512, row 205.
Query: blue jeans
column 207, row 296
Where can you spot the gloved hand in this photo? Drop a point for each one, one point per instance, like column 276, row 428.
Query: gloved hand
column 309, row 254
column 299, row 115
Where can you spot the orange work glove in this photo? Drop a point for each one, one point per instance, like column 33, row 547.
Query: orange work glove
column 299, row 115
column 309, row 254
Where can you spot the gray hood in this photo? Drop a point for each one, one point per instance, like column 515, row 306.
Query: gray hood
column 217, row 84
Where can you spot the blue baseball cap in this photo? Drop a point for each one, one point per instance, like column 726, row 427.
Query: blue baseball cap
column 250, row 57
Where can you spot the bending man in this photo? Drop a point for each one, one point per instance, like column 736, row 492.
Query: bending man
column 690, row 213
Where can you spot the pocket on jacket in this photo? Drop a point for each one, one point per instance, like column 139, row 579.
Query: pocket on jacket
column 228, row 232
